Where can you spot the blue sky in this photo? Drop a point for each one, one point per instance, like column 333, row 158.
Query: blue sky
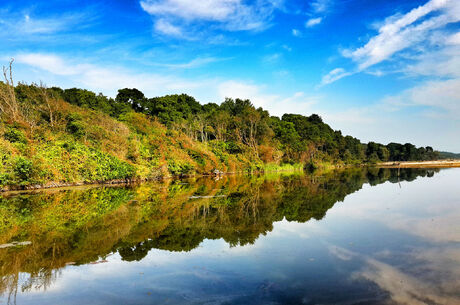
column 379, row 70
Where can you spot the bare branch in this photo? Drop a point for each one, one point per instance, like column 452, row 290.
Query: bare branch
column 8, row 103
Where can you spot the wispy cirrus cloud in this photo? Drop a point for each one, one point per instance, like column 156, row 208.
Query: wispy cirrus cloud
column 194, row 63
column 272, row 58
column 296, row 33
column 106, row 79
column 419, row 44
column 27, row 23
column 333, row 76
column 422, row 45
column 443, row 95
column 443, row 62
column 172, row 16
column 318, row 11
column 401, row 32
column 164, row 27
column 321, row 6
column 412, row 40
column 313, row 21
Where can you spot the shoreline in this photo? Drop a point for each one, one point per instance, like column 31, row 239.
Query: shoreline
column 16, row 189
column 420, row 164
column 5, row 191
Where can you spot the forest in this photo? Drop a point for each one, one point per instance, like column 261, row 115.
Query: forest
column 52, row 136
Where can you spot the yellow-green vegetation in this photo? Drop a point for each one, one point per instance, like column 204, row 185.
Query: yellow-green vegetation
column 85, row 145
column 51, row 136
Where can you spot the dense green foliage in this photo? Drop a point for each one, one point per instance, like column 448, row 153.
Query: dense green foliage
column 295, row 137
column 74, row 135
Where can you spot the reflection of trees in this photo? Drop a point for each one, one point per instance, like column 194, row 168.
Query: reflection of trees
column 38, row 280
column 80, row 226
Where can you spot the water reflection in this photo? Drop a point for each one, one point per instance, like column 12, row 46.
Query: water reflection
column 79, row 227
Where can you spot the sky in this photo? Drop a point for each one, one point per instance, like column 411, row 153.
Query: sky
column 380, row 70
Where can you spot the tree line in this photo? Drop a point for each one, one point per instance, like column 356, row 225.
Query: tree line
column 237, row 122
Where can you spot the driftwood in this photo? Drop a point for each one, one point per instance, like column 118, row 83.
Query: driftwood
column 15, row 244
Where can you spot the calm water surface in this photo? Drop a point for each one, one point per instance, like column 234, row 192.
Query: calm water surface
column 351, row 237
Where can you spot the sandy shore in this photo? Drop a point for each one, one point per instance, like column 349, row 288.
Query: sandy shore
column 421, row 164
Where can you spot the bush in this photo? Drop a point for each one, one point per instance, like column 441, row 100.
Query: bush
column 4, row 179
column 103, row 167
column 234, row 148
column 179, row 168
column 311, row 167
column 15, row 136
column 75, row 125
column 218, row 148
column 197, row 157
column 23, row 169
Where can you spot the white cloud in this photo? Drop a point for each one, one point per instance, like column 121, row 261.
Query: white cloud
column 296, row 32
column 194, row 63
column 237, row 89
column 106, row 79
column 421, row 44
column 453, row 39
column 51, row 63
column 400, row 32
column 418, row 43
column 163, row 26
column 321, row 6
column 37, row 26
column 444, row 63
column 318, row 10
column 313, row 21
column 286, row 47
column 443, row 94
column 231, row 15
column 191, row 10
column 12, row 23
column 272, row 58
column 276, row 104
column 334, row 75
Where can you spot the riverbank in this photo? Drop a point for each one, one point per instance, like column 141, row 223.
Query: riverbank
column 421, row 164
column 267, row 168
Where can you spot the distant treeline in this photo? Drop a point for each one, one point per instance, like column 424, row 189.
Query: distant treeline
column 448, row 155
column 54, row 136
column 291, row 138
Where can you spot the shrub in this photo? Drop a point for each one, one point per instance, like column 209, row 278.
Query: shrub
column 23, row 169
column 4, row 179
column 75, row 125
column 234, row 148
column 311, row 167
column 197, row 157
column 15, row 136
column 179, row 168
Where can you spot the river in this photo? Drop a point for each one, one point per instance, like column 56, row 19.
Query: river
column 358, row 236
